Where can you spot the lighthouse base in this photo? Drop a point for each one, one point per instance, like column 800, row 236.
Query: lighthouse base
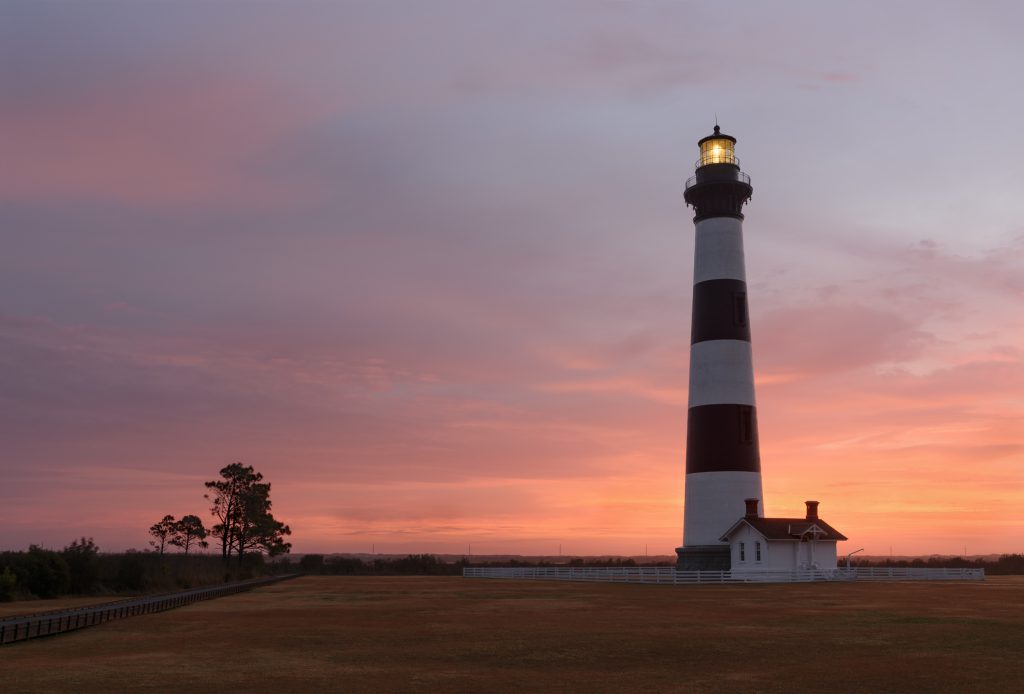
column 704, row 558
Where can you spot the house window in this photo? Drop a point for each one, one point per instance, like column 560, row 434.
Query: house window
column 757, row 551
column 743, row 552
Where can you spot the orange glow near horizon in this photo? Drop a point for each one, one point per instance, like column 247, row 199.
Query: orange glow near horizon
column 445, row 302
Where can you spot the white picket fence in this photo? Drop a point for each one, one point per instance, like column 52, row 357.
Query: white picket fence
column 670, row 576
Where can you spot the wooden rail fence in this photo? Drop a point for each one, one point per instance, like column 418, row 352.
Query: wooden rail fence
column 22, row 627
column 669, row 575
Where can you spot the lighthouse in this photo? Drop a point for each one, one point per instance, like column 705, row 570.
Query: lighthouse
column 723, row 463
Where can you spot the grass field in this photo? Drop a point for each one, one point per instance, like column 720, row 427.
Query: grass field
column 454, row 634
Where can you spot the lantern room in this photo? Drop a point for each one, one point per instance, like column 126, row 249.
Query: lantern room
column 718, row 188
column 718, row 149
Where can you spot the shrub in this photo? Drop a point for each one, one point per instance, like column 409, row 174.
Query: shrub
column 131, row 573
column 312, row 564
column 44, row 573
column 82, row 557
column 8, row 584
column 345, row 565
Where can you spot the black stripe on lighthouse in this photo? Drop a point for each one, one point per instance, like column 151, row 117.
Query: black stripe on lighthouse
column 721, row 437
column 720, row 311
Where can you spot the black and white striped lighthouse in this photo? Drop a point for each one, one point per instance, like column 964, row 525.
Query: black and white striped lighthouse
column 723, row 464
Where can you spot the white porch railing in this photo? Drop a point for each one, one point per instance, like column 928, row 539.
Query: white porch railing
column 669, row 575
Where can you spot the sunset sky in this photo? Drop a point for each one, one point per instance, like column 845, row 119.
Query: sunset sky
column 427, row 266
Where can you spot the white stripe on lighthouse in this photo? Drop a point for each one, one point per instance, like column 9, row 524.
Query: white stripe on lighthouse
column 721, row 373
column 714, row 501
column 719, row 250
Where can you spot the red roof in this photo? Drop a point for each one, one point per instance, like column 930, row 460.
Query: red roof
column 788, row 528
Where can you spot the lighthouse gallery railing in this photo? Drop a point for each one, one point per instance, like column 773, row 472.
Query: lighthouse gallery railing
column 740, row 176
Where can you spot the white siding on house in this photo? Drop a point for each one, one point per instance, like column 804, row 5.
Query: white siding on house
column 775, row 556
column 779, row 555
column 827, row 555
column 817, row 555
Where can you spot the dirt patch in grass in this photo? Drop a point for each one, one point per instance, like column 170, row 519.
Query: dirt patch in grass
column 453, row 634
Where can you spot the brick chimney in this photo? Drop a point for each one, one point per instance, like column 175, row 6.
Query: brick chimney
column 812, row 510
column 751, row 507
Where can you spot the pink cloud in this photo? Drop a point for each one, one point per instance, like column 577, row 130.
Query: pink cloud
column 840, row 77
column 829, row 337
column 167, row 139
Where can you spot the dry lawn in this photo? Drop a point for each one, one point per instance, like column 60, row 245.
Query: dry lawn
column 370, row 634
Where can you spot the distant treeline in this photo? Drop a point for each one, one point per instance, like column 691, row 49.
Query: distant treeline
column 412, row 565
column 430, row 565
column 1003, row 565
column 80, row 569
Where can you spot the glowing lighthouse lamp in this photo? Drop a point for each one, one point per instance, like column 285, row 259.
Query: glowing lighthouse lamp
column 718, row 149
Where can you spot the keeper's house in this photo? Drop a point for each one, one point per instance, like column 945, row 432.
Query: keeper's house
column 781, row 544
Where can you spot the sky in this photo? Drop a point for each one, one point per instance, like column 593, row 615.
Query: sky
column 427, row 267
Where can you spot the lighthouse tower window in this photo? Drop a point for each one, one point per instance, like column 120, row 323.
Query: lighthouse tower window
column 739, row 309
column 746, row 424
